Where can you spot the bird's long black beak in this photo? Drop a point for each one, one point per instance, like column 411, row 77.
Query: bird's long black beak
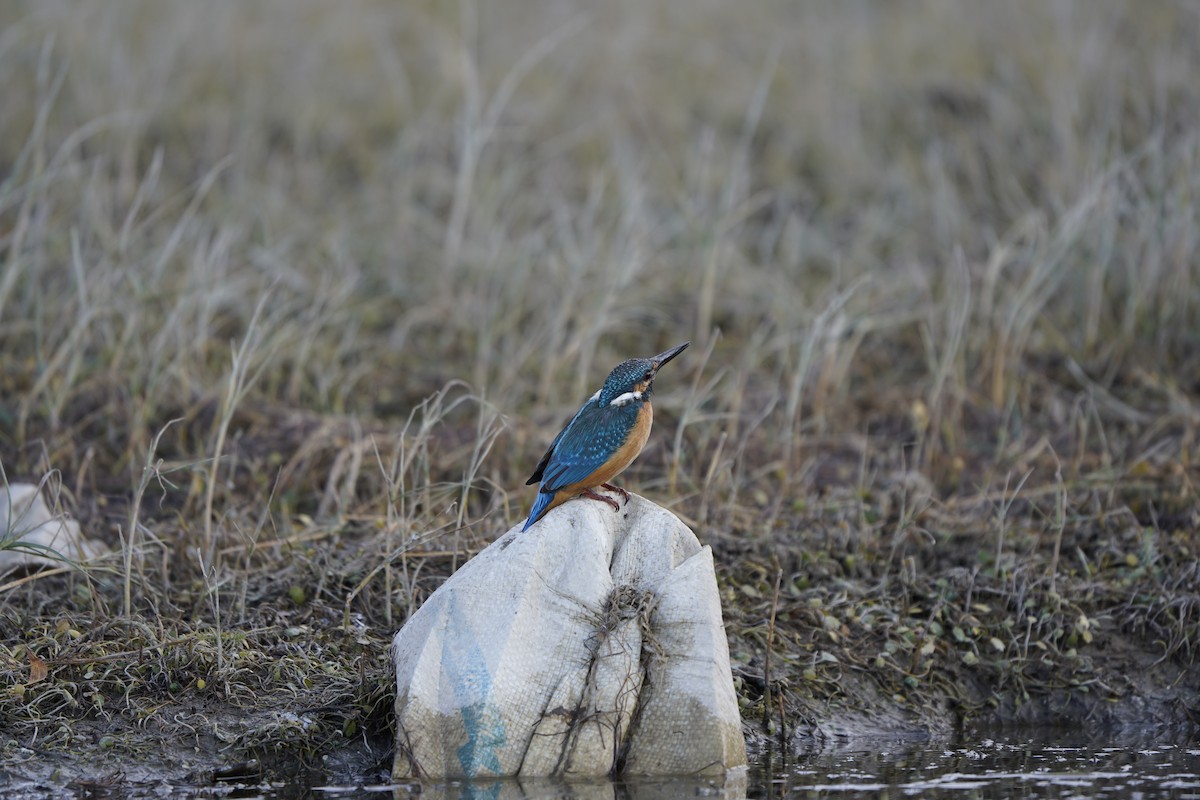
column 667, row 355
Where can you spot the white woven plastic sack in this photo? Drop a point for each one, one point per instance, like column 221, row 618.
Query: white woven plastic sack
column 592, row 643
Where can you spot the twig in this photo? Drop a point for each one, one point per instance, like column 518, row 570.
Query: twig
column 150, row 469
column 19, row 582
column 767, row 660
column 1060, row 521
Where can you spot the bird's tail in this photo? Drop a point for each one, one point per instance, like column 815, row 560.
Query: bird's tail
column 540, row 505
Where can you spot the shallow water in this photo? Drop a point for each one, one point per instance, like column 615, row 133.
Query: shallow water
column 1048, row 765
column 1065, row 765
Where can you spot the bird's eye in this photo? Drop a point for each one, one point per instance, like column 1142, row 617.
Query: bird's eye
column 649, row 374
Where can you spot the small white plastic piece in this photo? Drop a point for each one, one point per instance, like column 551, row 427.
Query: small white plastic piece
column 24, row 516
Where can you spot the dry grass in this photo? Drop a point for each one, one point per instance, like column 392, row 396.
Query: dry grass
column 292, row 298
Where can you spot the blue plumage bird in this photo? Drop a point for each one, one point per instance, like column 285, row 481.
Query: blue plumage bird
column 602, row 439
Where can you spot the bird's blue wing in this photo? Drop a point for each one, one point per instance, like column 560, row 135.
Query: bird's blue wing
column 596, row 433
column 540, row 469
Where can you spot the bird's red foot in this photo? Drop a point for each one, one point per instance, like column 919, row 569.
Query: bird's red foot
column 596, row 496
column 612, row 487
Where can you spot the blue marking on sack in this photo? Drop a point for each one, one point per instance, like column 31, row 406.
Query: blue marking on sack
column 466, row 668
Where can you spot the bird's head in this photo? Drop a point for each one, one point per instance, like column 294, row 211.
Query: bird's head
column 632, row 380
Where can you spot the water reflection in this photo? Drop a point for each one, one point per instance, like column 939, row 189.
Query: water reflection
column 732, row 787
column 1050, row 764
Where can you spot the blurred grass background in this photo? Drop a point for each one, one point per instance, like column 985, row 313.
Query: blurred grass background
column 294, row 294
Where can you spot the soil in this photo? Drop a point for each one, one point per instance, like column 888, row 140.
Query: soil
column 874, row 586
column 863, row 643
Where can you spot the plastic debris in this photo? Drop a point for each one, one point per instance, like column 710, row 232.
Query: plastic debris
column 591, row 644
column 35, row 534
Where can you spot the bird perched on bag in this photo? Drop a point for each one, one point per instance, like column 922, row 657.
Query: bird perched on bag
column 602, row 439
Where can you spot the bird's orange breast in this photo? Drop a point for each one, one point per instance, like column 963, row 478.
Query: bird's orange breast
column 620, row 459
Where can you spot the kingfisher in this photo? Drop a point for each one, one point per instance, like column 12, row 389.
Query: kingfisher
column 602, row 439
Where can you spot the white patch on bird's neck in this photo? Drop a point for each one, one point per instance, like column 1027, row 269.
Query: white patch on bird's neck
column 594, row 397
column 625, row 399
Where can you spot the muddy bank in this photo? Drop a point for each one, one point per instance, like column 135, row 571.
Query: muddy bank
column 819, row 661
column 148, row 760
column 946, row 627
column 850, row 612
column 1165, row 703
